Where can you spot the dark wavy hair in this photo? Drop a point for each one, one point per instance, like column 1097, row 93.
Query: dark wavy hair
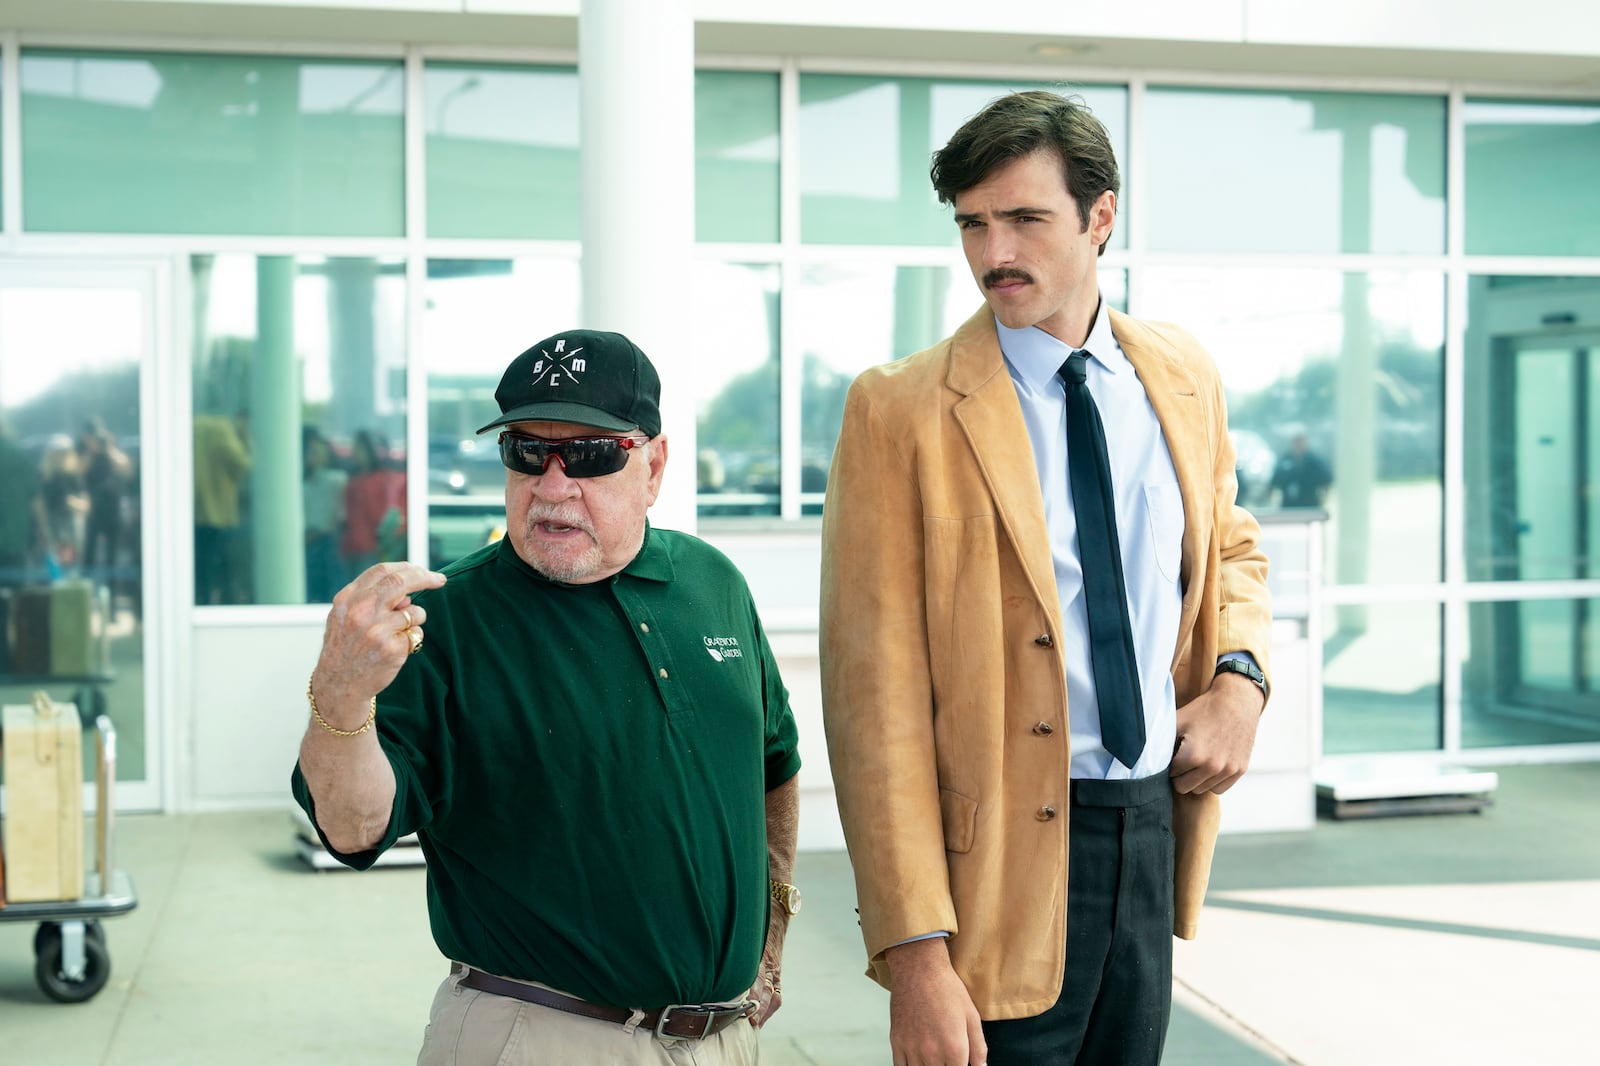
column 1019, row 125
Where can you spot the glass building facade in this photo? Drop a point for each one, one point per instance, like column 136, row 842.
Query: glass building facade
column 1402, row 291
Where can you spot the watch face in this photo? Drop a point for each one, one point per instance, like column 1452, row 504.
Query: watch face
column 787, row 897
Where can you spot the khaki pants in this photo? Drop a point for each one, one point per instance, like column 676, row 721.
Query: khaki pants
column 467, row 1027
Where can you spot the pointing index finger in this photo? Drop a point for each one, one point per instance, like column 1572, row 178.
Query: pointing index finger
column 400, row 580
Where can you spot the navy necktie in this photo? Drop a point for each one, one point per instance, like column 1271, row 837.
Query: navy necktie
column 1116, row 670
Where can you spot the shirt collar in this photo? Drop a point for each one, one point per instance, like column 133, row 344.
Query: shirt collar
column 1036, row 356
column 654, row 561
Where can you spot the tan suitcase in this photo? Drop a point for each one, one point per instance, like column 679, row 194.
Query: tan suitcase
column 72, row 628
column 43, row 763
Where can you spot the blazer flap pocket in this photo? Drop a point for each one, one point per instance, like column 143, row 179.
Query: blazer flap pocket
column 960, row 815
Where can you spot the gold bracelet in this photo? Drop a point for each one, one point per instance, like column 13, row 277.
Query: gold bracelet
column 323, row 722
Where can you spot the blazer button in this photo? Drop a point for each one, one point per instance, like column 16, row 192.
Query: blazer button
column 1044, row 729
column 1045, row 813
column 1044, row 640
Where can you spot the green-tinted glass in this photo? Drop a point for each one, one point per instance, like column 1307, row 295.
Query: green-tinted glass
column 1380, row 678
column 177, row 143
column 1335, row 384
column 1532, row 170
column 866, row 144
column 736, row 388
column 1273, row 171
column 736, row 156
column 299, row 424
column 1532, row 461
column 502, row 151
column 1532, row 674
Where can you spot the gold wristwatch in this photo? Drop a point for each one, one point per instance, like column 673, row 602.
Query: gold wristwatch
column 786, row 896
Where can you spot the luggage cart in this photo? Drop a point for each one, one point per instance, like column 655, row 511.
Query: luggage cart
column 71, row 962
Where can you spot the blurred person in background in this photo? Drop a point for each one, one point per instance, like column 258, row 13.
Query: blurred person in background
column 106, row 473
column 221, row 465
column 1301, row 477
column 323, row 488
column 374, row 505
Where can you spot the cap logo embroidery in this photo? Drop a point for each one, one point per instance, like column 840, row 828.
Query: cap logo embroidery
column 562, row 364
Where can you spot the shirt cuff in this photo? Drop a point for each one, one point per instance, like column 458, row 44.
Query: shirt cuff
column 1244, row 655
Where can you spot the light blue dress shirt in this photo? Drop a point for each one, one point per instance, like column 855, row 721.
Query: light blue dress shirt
column 1149, row 528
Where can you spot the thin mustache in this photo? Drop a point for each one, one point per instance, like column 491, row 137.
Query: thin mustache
column 995, row 277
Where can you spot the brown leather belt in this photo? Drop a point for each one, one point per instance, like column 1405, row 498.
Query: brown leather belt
column 678, row 1022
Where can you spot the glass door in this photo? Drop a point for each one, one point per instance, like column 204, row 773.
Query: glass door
column 1549, row 403
column 80, row 544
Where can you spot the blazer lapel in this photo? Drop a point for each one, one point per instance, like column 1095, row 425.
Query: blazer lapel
column 1174, row 394
column 991, row 418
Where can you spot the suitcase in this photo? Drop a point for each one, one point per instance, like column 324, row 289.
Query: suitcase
column 43, row 764
column 72, row 628
column 30, row 632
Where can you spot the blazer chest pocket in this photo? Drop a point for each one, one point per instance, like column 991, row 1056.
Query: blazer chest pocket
column 960, row 817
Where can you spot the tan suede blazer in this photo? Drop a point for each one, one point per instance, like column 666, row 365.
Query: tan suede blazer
column 939, row 608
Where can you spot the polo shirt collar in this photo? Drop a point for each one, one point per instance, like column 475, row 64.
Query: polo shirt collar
column 654, row 562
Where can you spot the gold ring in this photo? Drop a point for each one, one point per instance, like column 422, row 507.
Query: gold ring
column 416, row 639
column 405, row 612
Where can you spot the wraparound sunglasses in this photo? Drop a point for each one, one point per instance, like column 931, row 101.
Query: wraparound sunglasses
column 579, row 456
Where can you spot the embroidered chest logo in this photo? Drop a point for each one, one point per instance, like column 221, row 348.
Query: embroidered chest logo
column 552, row 368
column 723, row 648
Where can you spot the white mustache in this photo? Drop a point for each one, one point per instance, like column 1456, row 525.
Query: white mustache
column 559, row 516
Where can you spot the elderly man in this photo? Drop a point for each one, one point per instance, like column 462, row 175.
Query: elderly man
column 608, row 809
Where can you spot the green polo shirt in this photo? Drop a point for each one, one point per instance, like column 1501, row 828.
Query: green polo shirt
column 586, row 767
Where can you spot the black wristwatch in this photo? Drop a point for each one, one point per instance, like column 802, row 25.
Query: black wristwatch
column 1248, row 669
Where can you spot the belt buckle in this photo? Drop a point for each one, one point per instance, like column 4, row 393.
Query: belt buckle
column 666, row 1012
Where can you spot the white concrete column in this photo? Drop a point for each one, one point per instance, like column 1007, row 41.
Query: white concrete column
column 636, row 94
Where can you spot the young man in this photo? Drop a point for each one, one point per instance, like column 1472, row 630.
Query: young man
column 608, row 812
column 1043, row 618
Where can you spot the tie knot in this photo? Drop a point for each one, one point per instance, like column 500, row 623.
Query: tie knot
column 1075, row 371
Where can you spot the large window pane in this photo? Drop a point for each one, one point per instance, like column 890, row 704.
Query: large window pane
column 174, row 143
column 736, row 403
column 1533, row 675
column 299, row 424
column 851, row 316
column 736, row 156
column 71, row 494
column 502, row 151
column 1347, row 367
column 1380, row 682
column 866, row 144
column 1531, row 173
column 1244, row 171
column 479, row 315
column 1533, row 402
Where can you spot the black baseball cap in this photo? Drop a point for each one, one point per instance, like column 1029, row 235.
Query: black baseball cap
column 585, row 376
